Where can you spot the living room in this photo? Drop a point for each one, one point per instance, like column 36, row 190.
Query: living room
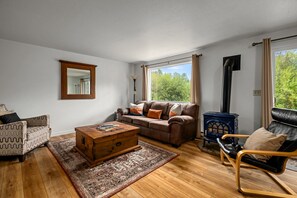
column 120, row 37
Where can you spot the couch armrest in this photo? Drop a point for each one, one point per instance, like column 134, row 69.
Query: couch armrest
column 43, row 120
column 13, row 132
column 183, row 119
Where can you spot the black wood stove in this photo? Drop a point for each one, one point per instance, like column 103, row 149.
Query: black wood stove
column 216, row 124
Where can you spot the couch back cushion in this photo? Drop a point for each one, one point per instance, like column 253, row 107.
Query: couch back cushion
column 187, row 109
column 161, row 106
column 146, row 106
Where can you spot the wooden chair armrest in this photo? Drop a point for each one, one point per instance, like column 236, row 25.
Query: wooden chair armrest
column 235, row 135
column 241, row 153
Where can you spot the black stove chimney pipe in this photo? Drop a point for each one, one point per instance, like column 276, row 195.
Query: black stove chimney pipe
column 227, row 82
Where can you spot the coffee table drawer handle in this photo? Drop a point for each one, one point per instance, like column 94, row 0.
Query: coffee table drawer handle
column 118, row 143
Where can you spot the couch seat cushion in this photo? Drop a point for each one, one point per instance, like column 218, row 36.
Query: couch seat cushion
column 128, row 118
column 142, row 120
column 34, row 132
column 160, row 125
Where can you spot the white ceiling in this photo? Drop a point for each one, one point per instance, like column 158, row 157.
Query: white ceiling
column 139, row 30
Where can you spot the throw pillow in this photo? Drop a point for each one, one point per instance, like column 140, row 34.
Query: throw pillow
column 152, row 113
column 2, row 107
column 136, row 109
column 5, row 112
column 264, row 140
column 175, row 110
column 8, row 118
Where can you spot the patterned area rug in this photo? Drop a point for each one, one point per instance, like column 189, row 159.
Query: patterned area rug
column 113, row 175
column 214, row 149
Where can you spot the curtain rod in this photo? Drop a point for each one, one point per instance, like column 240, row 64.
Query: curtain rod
column 171, row 60
column 287, row 37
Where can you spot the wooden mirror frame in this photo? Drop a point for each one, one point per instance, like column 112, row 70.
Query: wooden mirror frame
column 64, row 85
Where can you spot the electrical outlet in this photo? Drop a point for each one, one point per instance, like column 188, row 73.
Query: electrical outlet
column 257, row 93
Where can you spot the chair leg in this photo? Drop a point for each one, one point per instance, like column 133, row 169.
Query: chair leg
column 46, row 143
column 22, row 158
column 237, row 164
column 282, row 184
column 260, row 192
column 237, row 175
column 222, row 156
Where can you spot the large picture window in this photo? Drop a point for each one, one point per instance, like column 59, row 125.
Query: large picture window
column 285, row 78
column 170, row 83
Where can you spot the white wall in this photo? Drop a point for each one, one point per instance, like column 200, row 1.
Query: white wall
column 30, row 85
column 243, row 83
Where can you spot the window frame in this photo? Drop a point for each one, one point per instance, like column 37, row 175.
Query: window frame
column 274, row 49
column 149, row 82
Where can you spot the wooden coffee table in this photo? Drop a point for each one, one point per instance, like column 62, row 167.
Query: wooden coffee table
column 97, row 146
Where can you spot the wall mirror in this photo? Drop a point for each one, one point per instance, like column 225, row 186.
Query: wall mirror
column 77, row 80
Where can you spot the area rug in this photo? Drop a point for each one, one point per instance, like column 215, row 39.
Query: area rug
column 210, row 148
column 113, row 175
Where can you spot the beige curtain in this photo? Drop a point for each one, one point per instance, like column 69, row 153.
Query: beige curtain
column 144, row 82
column 195, row 88
column 267, row 94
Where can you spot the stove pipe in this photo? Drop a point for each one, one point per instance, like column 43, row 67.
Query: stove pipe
column 227, row 81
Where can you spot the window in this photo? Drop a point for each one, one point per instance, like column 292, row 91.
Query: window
column 285, row 78
column 170, row 83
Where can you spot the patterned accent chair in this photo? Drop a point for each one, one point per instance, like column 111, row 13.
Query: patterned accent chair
column 19, row 138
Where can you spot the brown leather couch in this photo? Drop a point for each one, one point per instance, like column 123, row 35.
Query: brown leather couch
column 174, row 130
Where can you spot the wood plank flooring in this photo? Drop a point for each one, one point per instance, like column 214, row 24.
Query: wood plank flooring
column 192, row 174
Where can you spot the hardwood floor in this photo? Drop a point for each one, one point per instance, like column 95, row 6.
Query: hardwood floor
column 192, row 174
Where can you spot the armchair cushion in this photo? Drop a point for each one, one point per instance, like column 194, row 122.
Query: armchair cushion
column 233, row 149
column 35, row 132
column 9, row 118
column 229, row 148
column 264, row 140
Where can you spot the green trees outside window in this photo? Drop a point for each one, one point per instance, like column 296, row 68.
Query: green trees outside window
column 285, row 79
column 170, row 86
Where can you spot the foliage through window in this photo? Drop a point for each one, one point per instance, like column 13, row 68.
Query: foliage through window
column 285, row 79
column 170, row 83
